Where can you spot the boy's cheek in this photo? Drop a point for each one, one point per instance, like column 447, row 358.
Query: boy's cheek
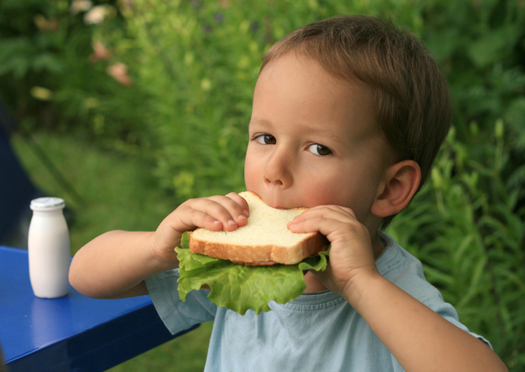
column 253, row 171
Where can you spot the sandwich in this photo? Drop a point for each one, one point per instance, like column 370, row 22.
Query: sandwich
column 253, row 265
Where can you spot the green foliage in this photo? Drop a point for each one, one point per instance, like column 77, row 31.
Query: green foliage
column 51, row 77
column 199, row 104
column 25, row 50
column 197, row 63
column 118, row 192
column 32, row 38
column 480, row 47
column 469, row 231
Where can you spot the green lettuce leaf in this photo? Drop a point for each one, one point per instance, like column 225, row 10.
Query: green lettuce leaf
column 240, row 287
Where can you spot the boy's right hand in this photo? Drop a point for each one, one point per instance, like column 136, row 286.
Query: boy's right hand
column 212, row 213
column 115, row 264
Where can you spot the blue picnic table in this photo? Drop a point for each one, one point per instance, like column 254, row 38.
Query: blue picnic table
column 72, row 333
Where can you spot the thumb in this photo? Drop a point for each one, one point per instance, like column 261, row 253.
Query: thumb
column 325, row 276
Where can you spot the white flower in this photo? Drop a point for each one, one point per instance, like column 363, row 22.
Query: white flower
column 96, row 14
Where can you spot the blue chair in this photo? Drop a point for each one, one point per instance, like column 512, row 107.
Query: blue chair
column 16, row 188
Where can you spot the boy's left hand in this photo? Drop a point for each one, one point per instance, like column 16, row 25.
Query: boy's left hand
column 351, row 252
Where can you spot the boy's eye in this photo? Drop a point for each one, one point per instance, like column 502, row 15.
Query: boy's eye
column 266, row 139
column 320, row 150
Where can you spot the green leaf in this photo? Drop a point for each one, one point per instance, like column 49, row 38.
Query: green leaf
column 240, row 287
column 47, row 62
column 494, row 45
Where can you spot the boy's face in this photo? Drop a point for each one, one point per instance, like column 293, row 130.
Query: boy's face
column 313, row 140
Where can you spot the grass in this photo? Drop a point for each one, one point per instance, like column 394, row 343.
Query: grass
column 118, row 192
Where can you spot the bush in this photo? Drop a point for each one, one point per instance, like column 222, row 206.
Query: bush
column 468, row 231
column 31, row 41
column 53, row 78
column 197, row 63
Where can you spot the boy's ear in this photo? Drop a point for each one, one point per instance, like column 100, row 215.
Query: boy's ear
column 401, row 183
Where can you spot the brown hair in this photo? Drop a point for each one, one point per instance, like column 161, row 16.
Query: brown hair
column 411, row 97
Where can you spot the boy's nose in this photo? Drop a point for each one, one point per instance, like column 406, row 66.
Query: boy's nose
column 278, row 170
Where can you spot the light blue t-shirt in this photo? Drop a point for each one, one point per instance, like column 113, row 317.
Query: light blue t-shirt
column 315, row 332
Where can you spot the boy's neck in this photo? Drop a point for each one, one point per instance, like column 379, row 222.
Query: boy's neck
column 314, row 284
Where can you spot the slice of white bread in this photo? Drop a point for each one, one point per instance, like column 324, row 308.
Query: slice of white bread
column 265, row 240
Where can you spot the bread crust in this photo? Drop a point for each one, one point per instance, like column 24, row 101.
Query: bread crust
column 310, row 245
column 264, row 254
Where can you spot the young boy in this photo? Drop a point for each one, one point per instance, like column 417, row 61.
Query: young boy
column 348, row 115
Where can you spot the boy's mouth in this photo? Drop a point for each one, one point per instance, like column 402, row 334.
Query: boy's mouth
column 278, row 201
column 278, row 205
column 273, row 204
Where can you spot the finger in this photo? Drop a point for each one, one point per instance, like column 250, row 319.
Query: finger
column 329, row 212
column 236, row 206
column 183, row 219
column 186, row 218
column 326, row 210
column 241, row 201
column 222, row 209
column 342, row 229
column 201, row 219
column 312, row 224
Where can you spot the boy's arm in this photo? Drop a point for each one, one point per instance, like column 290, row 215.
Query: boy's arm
column 116, row 263
column 419, row 338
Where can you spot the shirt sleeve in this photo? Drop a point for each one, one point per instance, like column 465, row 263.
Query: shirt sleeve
column 448, row 312
column 176, row 314
column 406, row 272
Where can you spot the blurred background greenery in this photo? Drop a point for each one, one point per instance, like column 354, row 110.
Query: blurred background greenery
column 142, row 104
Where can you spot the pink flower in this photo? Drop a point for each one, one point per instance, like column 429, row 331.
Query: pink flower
column 119, row 71
column 100, row 53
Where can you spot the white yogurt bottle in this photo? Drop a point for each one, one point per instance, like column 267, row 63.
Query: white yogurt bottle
column 48, row 248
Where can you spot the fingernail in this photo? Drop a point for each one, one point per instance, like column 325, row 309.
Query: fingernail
column 246, row 213
column 231, row 222
column 242, row 218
